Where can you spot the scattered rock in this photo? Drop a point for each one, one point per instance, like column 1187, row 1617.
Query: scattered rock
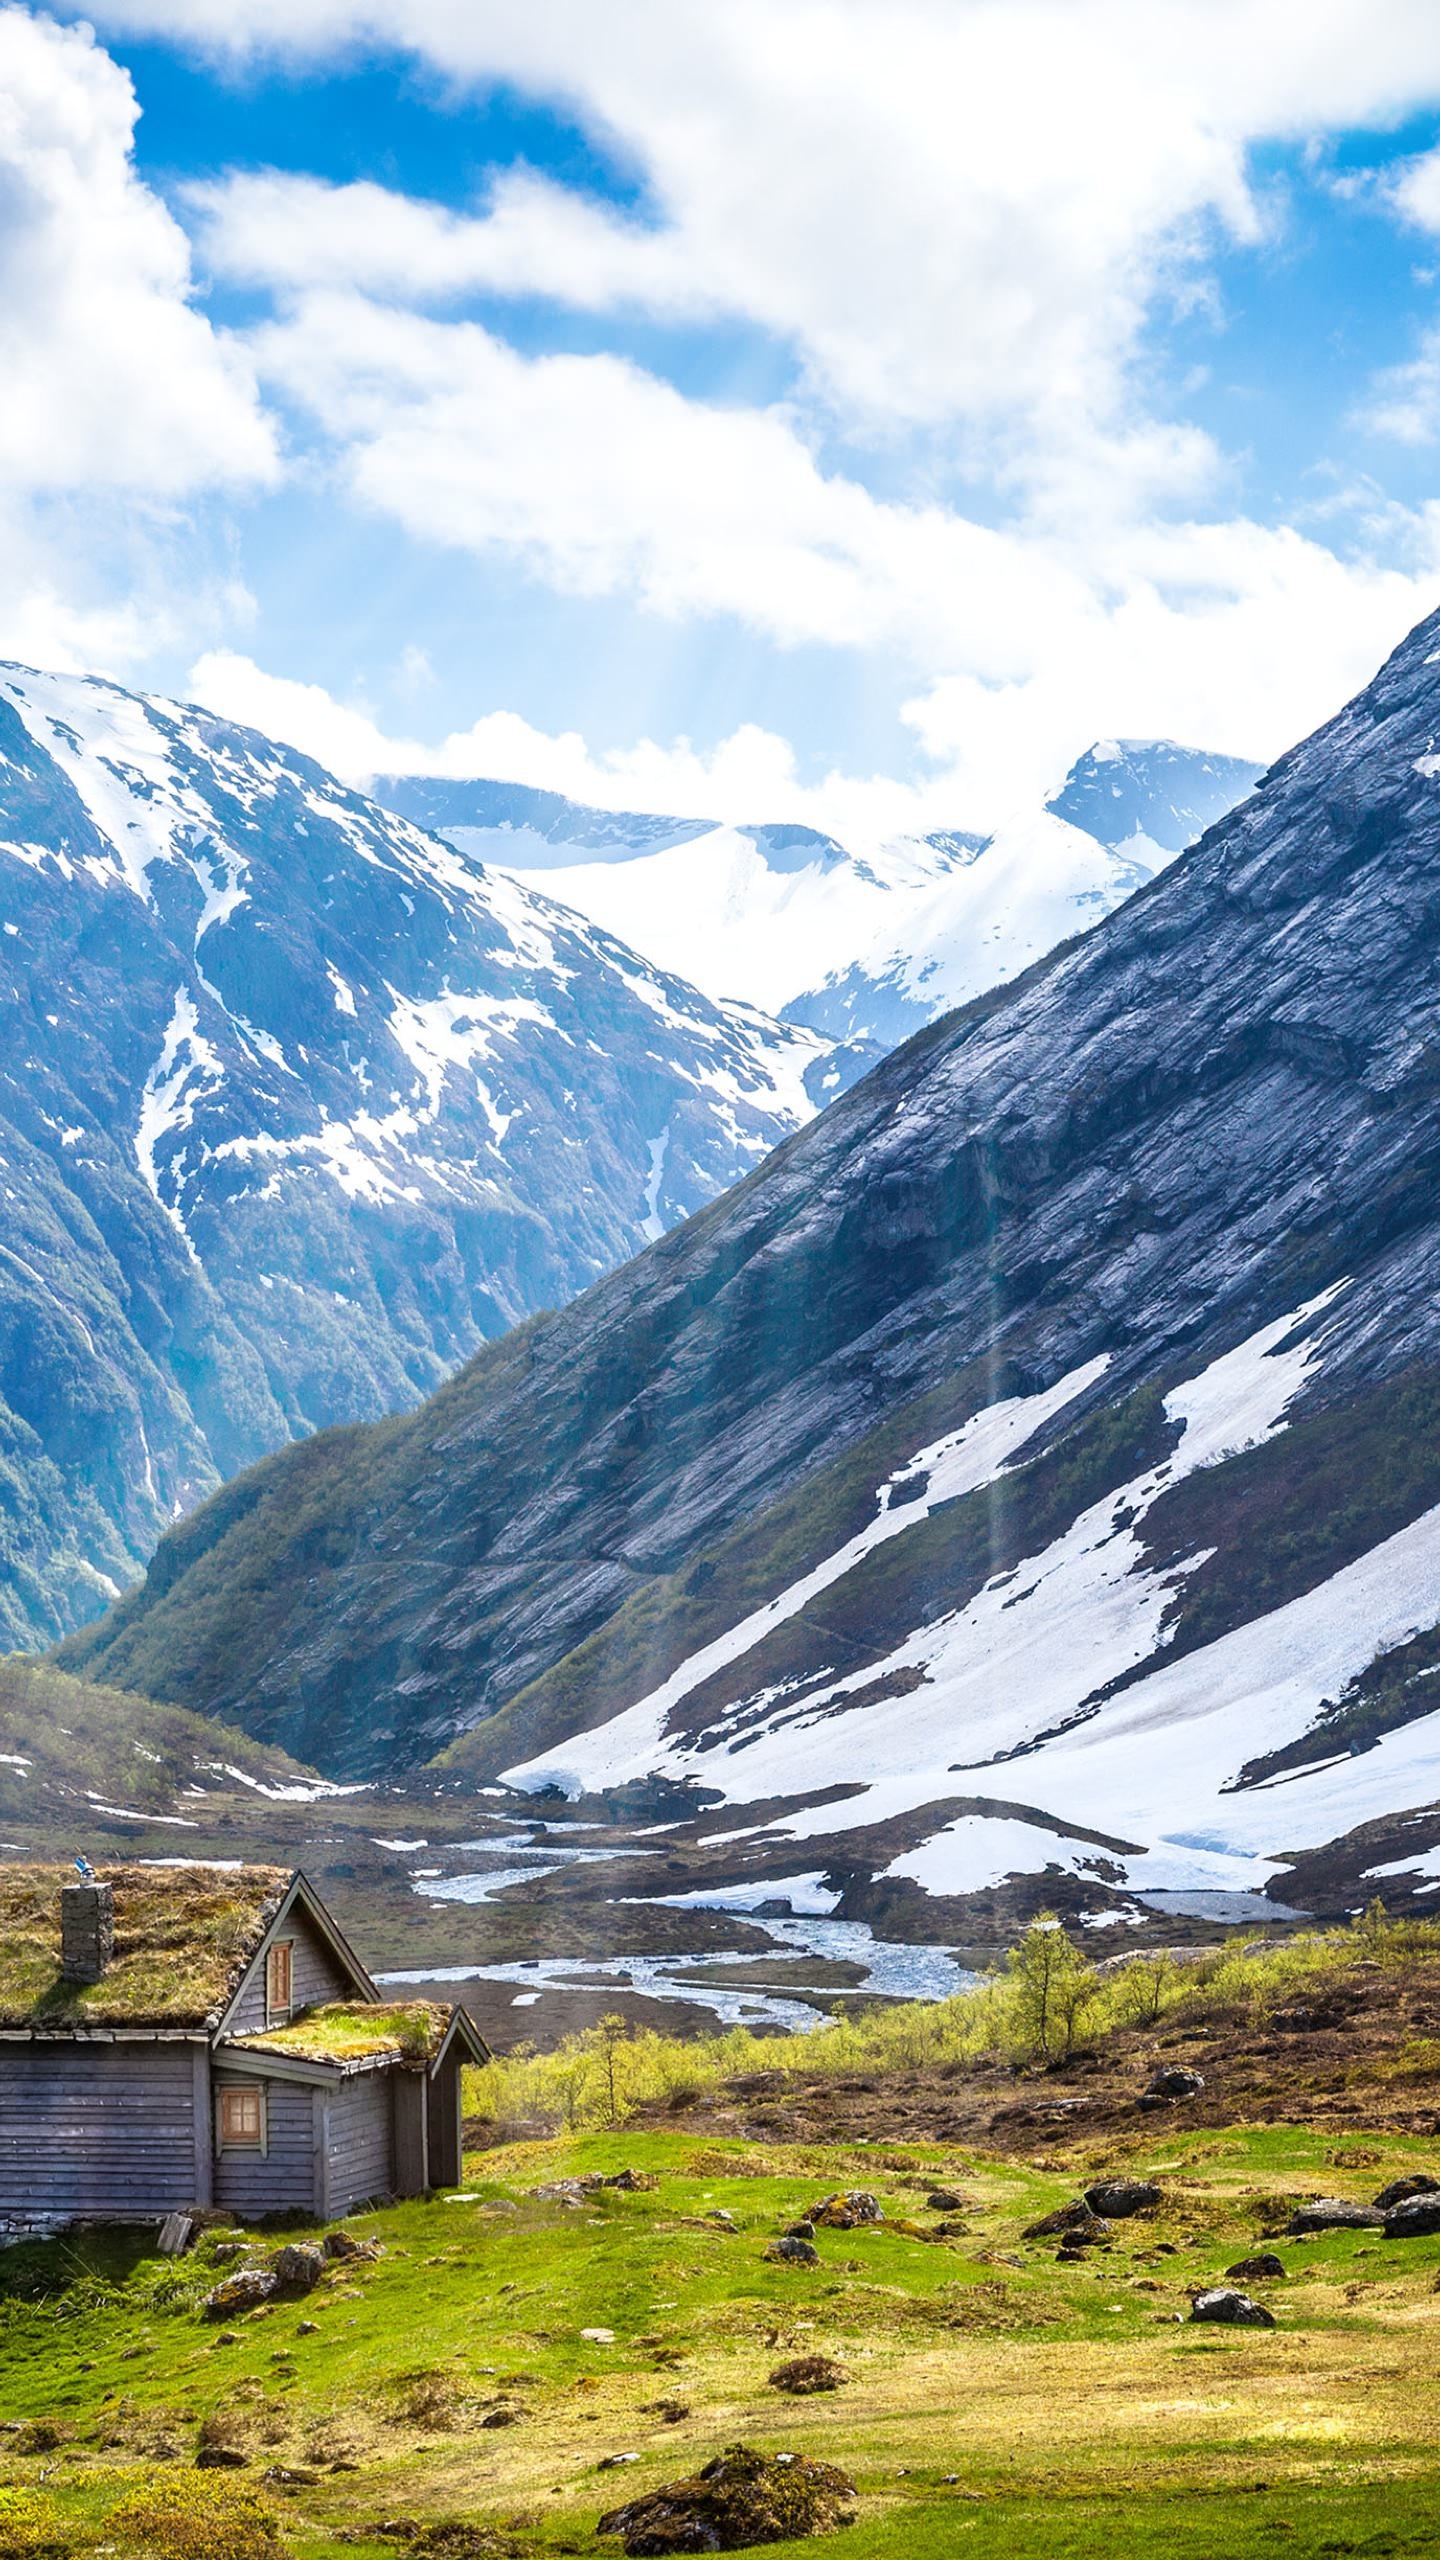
column 948, row 2200
column 244, row 2291
column 1120, row 2197
column 672, row 2411
column 722, row 2220
column 802, row 2375
column 1262, row 2268
column 799, row 2230
column 501, row 2416
column 1076, row 2220
column 1332, row 2213
column 223, row 2251
column 1400, row 2190
column 792, row 2253
column 741, row 2498
column 1413, row 2219
column 847, row 2212
column 298, row 2266
column 307, row 2328
column 1170, row 2083
column 343, row 2244
column 221, row 2457
column 599, row 2337
column 1236, row 2310
column 614, row 2462
column 285, row 2475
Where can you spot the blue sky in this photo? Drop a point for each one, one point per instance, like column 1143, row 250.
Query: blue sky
column 838, row 408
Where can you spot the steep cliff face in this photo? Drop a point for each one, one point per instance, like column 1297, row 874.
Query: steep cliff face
column 297, row 1107
column 1032, row 1468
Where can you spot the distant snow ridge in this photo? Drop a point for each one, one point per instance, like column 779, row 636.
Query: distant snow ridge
column 859, row 947
column 298, row 1106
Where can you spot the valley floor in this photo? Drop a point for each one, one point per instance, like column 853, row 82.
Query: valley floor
column 512, row 2339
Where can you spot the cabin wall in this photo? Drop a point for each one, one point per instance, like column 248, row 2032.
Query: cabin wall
column 360, row 2140
column 317, row 1976
column 283, row 2176
column 112, row 2130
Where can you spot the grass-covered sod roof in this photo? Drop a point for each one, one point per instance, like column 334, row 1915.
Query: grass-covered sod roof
column 351, row 2031
column 183, row 1937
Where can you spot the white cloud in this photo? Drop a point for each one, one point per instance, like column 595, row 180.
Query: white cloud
column 951, row 212
column 1022, row 641
column 111, row 376
column 113, row 385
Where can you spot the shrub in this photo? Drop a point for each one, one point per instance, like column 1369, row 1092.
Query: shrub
column 30, row 2528
column 193, row 2515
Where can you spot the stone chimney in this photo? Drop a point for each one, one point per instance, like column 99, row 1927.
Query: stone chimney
column 87, row 1931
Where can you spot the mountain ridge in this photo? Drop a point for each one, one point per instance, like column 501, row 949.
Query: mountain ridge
column 1028, row 1472
column 297, row 1106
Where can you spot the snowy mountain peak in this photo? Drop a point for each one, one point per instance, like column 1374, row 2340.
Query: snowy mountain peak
column 864, row 946
column 1150, row 795
column 298, row 1105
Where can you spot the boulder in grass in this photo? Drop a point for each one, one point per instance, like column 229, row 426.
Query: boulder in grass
column 1235, row 2310
column 298, row 2266
column 1172, row 2082
column 847, row 2212
column 786, row 2252
column 1414, row 2219
column 1120, row 2197
column 1331, row 2213
column 245, row 2290
column 1400, row 2190
column 1263, row 2268
column 740, row 2499
column 948, row 2200
column 1076, row 2220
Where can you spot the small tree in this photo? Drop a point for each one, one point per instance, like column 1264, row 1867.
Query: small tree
column 605, row 2038
column 1051, row 1982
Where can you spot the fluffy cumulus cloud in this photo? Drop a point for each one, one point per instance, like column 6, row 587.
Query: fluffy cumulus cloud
column 961, row 223
column 950, row 210
column 114, row 381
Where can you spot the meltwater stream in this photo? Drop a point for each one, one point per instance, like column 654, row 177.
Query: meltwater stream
column 891, row 1971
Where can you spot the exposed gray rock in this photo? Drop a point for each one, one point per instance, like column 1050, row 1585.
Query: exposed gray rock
column 1172, row 2082
column 1264, row 2267
column 790, row 2252
column 1400, row 2190
column 1235, row 2310
column 298, row 2266
column 1332, row 2213
column 1413, row 2220
column 1118, row 2198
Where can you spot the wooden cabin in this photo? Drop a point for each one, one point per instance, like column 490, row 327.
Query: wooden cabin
column 197, row 2035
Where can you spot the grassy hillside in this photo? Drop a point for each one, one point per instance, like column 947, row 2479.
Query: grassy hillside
column 988, row 2391
column 95, row 1760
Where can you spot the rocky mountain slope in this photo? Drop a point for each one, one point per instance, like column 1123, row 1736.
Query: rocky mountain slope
column 297, row 1106
column 1027, row 1481
column 861, row 945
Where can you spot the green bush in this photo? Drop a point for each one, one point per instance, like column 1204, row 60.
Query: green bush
column 195, row 2515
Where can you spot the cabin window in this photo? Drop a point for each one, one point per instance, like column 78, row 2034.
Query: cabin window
column 242, row 2119
column 279, row 1981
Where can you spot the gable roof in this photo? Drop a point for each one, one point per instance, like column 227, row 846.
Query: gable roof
column 184, row 1939
column 299, row 1895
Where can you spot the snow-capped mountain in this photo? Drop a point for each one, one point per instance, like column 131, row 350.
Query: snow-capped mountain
column 867, row 946
column 298, row 1105
column 1027, row 1484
